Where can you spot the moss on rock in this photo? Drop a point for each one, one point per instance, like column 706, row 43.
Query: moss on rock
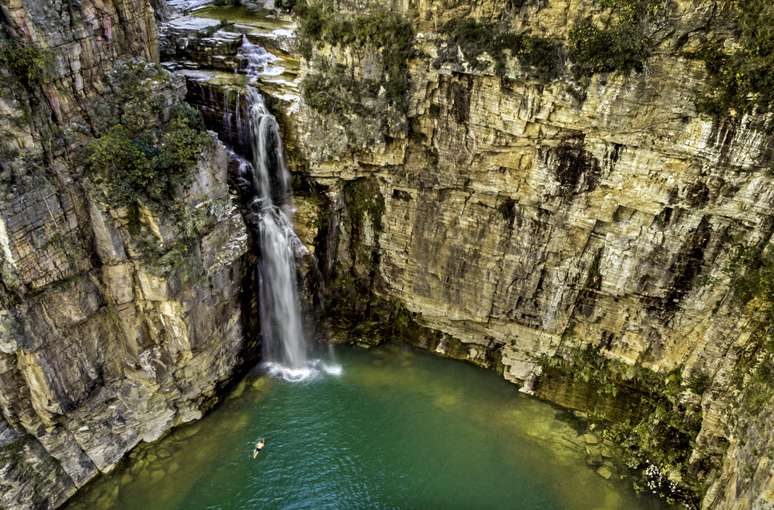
column 381, row 31
column 539, row 55
column 741, row 79
column 653, row 417
column 26, row 62
column 147, row 163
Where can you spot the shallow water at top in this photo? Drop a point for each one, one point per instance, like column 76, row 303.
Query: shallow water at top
column 282, row 25
column 397, row 429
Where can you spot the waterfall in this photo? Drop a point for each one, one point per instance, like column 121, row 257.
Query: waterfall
column 280, row 316
column 285, row 348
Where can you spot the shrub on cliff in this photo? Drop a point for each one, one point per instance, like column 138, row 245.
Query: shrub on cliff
column 742, row 80
column 133, row 165
column 596, row 50
column 25, row 61
column 624, row 44
column 383, row 31
column 475, row 38
column 331, row 90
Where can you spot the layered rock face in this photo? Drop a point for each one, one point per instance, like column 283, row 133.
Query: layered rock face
column 523, row 220
column 117, row 322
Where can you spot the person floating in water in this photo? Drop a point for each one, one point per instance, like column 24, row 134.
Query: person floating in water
column 259, row 446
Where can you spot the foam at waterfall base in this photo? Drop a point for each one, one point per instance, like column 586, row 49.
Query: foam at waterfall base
column 311, row 370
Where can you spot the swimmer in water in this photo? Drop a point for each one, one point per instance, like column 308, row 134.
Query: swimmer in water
column 259, row 446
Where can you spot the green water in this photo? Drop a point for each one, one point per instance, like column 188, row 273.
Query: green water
column 398, row 429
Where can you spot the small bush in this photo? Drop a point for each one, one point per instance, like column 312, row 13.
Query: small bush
column 285, row 5
column 475, row 38
column 623, row 45
column 26, row 62
column 742, row 81
column 381, row 30
column 333, row 90
column 594, row 50
column 699, row 382
column 149, row 163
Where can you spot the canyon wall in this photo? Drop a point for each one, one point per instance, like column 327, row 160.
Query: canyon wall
column 118, row 320
column 574, row 231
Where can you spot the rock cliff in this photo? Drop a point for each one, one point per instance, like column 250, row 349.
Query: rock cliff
column 118, row 320
column 577, row 228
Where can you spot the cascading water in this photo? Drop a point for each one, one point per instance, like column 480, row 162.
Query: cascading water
column 285, row 348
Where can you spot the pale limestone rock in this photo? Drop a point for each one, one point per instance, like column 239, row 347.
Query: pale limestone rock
column 490, row 243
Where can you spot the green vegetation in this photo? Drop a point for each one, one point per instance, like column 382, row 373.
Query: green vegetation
column 382, row 30
column 285, row 5
column 139, row 96
column 622, row 46
column 742, row 80
column 639, row 410
column 596, row 50
column 333, row 89
column 753, row 285
column 26, row 62
column 150, row 162
column 699, row 382
column 759, row 389
column 363, row 197
column 540, row 55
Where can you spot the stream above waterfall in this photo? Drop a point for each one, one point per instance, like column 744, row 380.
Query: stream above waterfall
column 397, row 429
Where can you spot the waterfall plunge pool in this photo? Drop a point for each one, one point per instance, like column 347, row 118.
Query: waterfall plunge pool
column 397, row 429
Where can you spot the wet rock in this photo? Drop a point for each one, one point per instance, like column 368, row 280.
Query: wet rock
column 605, row 472
column 593, row 456
column 606, row 452
column 156, row 476
column 173, row 468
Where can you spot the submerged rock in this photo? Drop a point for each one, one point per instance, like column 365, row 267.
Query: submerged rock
column 605, row 472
